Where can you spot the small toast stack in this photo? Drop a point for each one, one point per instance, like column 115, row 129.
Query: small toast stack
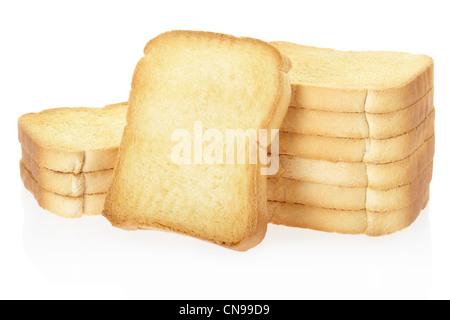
column 357, row 143
column 68, row 156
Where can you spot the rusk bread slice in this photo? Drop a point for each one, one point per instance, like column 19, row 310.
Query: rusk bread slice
column 358, row 174
column 74, row 139
column 352, row 81
column 358, row 125
column 357, row 150
column 68, row 184
column 223, row 82
column 345, row 221
column 63, row 206
column 345, row 198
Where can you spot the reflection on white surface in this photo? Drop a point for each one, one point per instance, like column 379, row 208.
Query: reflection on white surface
column 290, row 263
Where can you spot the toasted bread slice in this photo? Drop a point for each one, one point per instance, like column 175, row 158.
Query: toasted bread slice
column 345, row 221
column 345, row 198
column 74, row 139
column 358, row 125
column 352, row 81
column 223, row 82
column 68, row 184
column 63, row 206
column 359, row 174
column 357, row 150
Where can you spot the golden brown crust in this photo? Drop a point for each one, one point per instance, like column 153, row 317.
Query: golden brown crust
column 66, row 183
column 385, row 223
column 400, row 147
column 63, row 206
column 346, row 222
column 357, row 150
column 390, row 175
column 315, row 218
column 348, row 198
column 385, row 101
column 339, row 97
column 328, row 99
column 53, row 159
column 65, row 160
column 358, row 125
column 253, row 239
column 358, row 174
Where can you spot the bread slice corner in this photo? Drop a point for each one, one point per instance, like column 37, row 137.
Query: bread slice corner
column 356, row 81
column 73, row 139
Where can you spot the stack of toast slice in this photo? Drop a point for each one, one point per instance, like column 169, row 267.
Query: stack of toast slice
column 68, row 156
column 357, row 144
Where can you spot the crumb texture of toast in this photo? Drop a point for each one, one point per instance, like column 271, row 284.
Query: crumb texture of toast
column 74, row 139
column 225, row 83
column 356, row 81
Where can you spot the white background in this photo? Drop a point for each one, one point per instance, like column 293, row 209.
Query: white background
column 56, row 54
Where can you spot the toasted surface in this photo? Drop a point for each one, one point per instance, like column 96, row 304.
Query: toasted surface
column 76, row 129
column 68, row 184
column 357, row 150
column 63, row 206
column 358, row 125
column 347, row 198
column 74, row 139
column 358, row 174
column 224, row 82
column 352, row 81
column 345, row 221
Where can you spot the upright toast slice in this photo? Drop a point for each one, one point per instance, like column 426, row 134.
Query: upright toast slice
column 353, row 81
column 224, row 83
column 73, row 139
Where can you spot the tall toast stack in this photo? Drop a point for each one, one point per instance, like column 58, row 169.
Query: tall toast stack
column 68, row 156
column 357, row 144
